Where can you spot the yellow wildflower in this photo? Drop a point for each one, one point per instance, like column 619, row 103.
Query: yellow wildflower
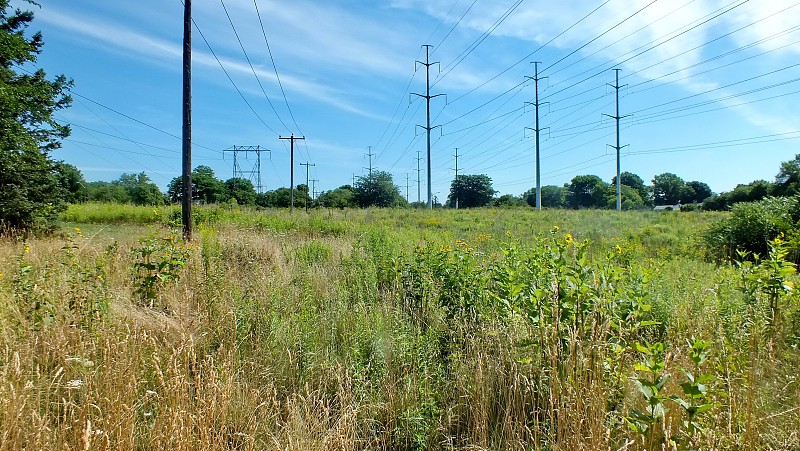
column 619, row 249
column 27, row 248
column 568, row 238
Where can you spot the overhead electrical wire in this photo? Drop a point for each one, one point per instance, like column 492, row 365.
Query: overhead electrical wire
column 598, row 37
column 460, row 58
column 228, row 75
column 723, row 144
column 455, row 25
column 250, row 63
column 275, row 67
column 530, row 54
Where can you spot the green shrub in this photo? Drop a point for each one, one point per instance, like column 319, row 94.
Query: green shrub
column 752, row 225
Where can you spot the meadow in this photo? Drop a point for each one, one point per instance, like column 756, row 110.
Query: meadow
column 394, row 329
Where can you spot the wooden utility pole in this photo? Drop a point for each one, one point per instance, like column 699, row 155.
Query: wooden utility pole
column 292, row 139
column 186, row 201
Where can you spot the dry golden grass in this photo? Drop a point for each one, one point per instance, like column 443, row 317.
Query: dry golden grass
column 291, row 341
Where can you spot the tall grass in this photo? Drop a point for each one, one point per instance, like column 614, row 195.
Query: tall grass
column 378, row 330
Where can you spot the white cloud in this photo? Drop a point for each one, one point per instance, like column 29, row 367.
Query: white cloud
column 125, row 41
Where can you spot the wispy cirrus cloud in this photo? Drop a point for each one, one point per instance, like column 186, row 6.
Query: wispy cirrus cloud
column 657, row 40
column 120, row 39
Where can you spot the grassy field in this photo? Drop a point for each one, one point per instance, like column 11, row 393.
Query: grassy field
column 394, row 329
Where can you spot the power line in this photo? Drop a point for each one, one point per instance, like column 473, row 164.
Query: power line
column 599, row 36
column 441, row 22
column 247, row 57
column 477, row 42
column 530, row 54
column 723, row 144
column 455, row 25
column 277, row 77
column 231, row 79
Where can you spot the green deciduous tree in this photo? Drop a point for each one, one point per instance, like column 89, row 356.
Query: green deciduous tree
column 471, row 191
column 341, row 197
column 552, row 196
column 509, row 200
column 107, row 192
column 587, row 191
column 242, row 190
column 696, row 192
column 750, row 192
column 206, row 187
column 71, row 181
column 634, row 181
column 787, row 182
column 30, row 194
column 668, row 189
column 141, row 190
column 377, row 190
column 631, row 200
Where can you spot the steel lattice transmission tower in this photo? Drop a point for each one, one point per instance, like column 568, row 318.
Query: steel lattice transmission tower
column 253, row 174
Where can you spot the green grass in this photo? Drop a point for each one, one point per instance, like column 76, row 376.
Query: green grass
column 391, row 329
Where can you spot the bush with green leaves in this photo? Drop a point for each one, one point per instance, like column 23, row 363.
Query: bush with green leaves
column 158, row 261
column 752, row 225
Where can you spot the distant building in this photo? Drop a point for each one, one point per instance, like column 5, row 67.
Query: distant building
column 676, row 207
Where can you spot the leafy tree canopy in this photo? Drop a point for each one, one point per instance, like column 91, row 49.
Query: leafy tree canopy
column 668, row 189
column 631, row 200
column 107, row 192
column 242, row 190
column 696, row 192
column 377, row 190
column 634, row 181
column 341, row 197
column 71, row 181
column 471, row 191
column 30, row 193
column 509, row 200
column 206, row 187
column 587, row 191
column 140, row 189
column 750, row 192
column 787, row 182
column 552, row 196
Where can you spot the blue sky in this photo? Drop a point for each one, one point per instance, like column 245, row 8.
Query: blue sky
column 711, row 87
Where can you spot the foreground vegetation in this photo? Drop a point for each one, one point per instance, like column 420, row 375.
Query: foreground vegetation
column 395, row 329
